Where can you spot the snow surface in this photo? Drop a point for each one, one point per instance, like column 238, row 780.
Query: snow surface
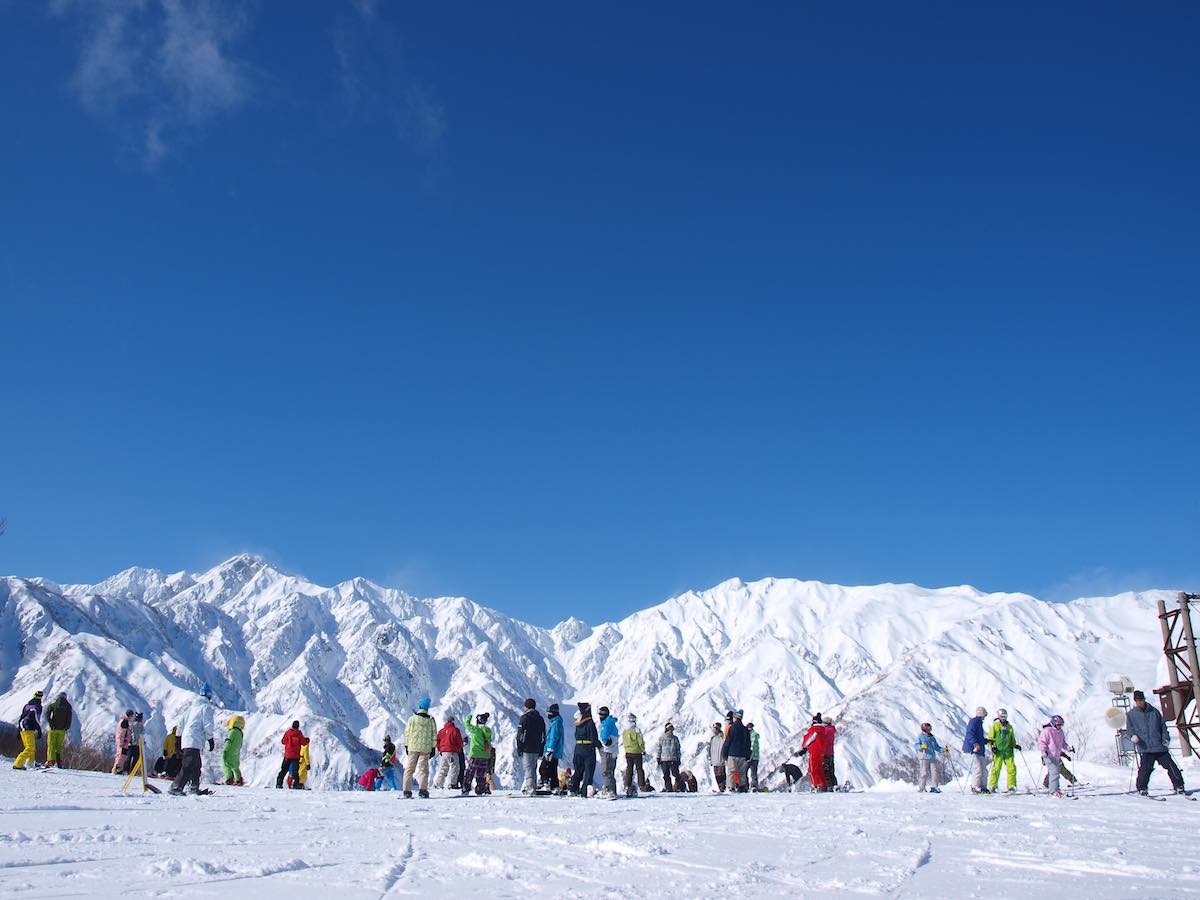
column 352, row 661
column 75, row 834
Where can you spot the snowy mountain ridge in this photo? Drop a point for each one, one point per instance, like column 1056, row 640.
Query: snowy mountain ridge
column 352, row 660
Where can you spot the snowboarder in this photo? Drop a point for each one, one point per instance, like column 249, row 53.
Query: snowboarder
column 587, row 741
column 137, row 733
column 929, row 759
column 171, row 742
column 735, row 752
column 58, row 717
column 610, row 746
column 792, row 775
column 754, row 753
column 715, row 759
column 305, row 765
column 687, row 782
column 552, row 749
column 531, row 740
column 449, row 745
column 420, row 737
column 480, row 755
column 1149, row 734
column 197, row 731
column 813, row 746
column 634, row 745
column 123, row 740
column 1003, row 741
column 975, row 745
column 667, row 754
column 1053, row 744
column 231, row 756
column 369, row 779
column 293, row 739
column 387, row 764
column 30, row 724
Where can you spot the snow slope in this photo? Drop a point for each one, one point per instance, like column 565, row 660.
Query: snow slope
column 74, row 834
column 351, row 661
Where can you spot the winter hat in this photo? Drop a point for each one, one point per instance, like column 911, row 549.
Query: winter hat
column 604, row 710
column 668, row 727
column 716, row 726
column 449, row 720
column 817, row 719
column 584, row 707
column 1002, row 713
column 295, row 723
column 387, row 738
column 925, row 725
column 424, row 704
column 206, row 691
column 631, row 719
column 62, row 695
column 129, row 712
column 553, row 710
column 37, row 695
column 749, row 726
column 481, row 717
column 980, row 711
column 737, row 714
column 1139, row 695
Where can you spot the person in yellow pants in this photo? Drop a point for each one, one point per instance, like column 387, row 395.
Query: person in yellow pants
column 58, row 717
column 1004, row 741
column 31, row 729
column 305, row 765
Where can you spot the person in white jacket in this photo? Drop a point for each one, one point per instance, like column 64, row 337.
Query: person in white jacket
column 198, row 730
column 714, row 756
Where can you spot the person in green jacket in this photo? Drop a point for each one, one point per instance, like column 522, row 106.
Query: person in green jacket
column 634, row 745
column 231, row 757
column 479, row 754
column 753, row 757
column 1003, row 741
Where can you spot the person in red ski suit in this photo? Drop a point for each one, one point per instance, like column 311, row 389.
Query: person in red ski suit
column 813, row 746
column 292, row 741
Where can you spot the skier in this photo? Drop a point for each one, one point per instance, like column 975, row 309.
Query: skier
column 715, row 759
column 610, row 746
column 975, row 744
column 387, row 764
column 827, row 769
column 552, row 749
column 929, row 750
column 587, row 741
column 197, row 731
column 813, row 746
column 735, row 752
column 58, row 717
column 754, row 753
column 1053, row 744
column 634, row 745
column 792, row 775
column 667, row 754
column 1150, row 736
column 31, row 729
column 293, row 739
column 420, row 737
column 449, row 745
column 1003, row 742
column 231, row 756
column 480, row 755
column 531, row 740
column 123, row 739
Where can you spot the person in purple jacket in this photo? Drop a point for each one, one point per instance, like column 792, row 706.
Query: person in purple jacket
column 974, row 744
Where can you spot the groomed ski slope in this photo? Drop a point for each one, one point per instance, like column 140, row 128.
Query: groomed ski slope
column 71, row 834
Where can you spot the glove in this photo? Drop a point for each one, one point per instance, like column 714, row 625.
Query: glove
column 1064, row 756
column 978, row 749
column 212, row 745
column 945, row 749
column 1016, row 746
column 1136, row 739
column 804, row 751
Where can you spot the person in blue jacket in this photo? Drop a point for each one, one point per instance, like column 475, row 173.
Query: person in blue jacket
column 929, row 759
column 553, row 752
column 974, row 744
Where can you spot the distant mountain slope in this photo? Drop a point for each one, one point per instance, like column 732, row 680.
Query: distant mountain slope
column 353, row 660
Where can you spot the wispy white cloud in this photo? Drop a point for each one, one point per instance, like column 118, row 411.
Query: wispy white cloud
column 1103, row 581
column 160, row 68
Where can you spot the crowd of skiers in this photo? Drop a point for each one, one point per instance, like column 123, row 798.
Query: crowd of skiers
column 467, row 762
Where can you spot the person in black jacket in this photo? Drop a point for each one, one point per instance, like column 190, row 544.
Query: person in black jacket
column 58, row 717
column 531, row 739
column 736, row 754
column 587, row 742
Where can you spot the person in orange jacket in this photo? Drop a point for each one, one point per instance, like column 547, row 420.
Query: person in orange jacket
column 292, row 741
column 813, row 746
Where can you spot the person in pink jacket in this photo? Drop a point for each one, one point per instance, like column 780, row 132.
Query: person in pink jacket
column 1053, row 744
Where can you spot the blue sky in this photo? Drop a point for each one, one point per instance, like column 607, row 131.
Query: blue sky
column 569, row 310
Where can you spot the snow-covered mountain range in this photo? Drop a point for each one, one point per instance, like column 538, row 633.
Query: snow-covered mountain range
column 352, row 661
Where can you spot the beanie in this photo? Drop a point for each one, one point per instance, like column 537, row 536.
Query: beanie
column 424, row 704
column 481, row 717
column 604, row 710
column 584, row 707
column 631, row 718
column 817, row 719
column 37, row 695
column 553, row 710
column 737, row 714
column 1139, row 695
column 295, row 723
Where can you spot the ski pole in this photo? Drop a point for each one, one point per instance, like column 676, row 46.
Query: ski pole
column 1027, row 769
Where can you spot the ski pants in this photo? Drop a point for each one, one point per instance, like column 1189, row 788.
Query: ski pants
column 529, row 767
column 610, row 773
column 816, row 770
column 1053, row 773
column 585, row 770
column 189, row 772
column 1064, row 771
column 28, row 749
column 418, row 766
column 548, row 773
column 719, row 777
column 754, row 774
column 449, row 766
column 1146, row 763
column 827, row 771
column 233, row 771
column 55, row 739
column 477, row 769
column 633, row 762
column 738, row 767
column 792, row 779
column 289, row 767
column 1009, row 763
column 121, row 762
column 930, row 771
column 670, row 773
column 978, row 771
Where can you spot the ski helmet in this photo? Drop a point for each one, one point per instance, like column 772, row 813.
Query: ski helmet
column 817, row 719
column 206, row 691
column 1002, row 713
column 1056, row 720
